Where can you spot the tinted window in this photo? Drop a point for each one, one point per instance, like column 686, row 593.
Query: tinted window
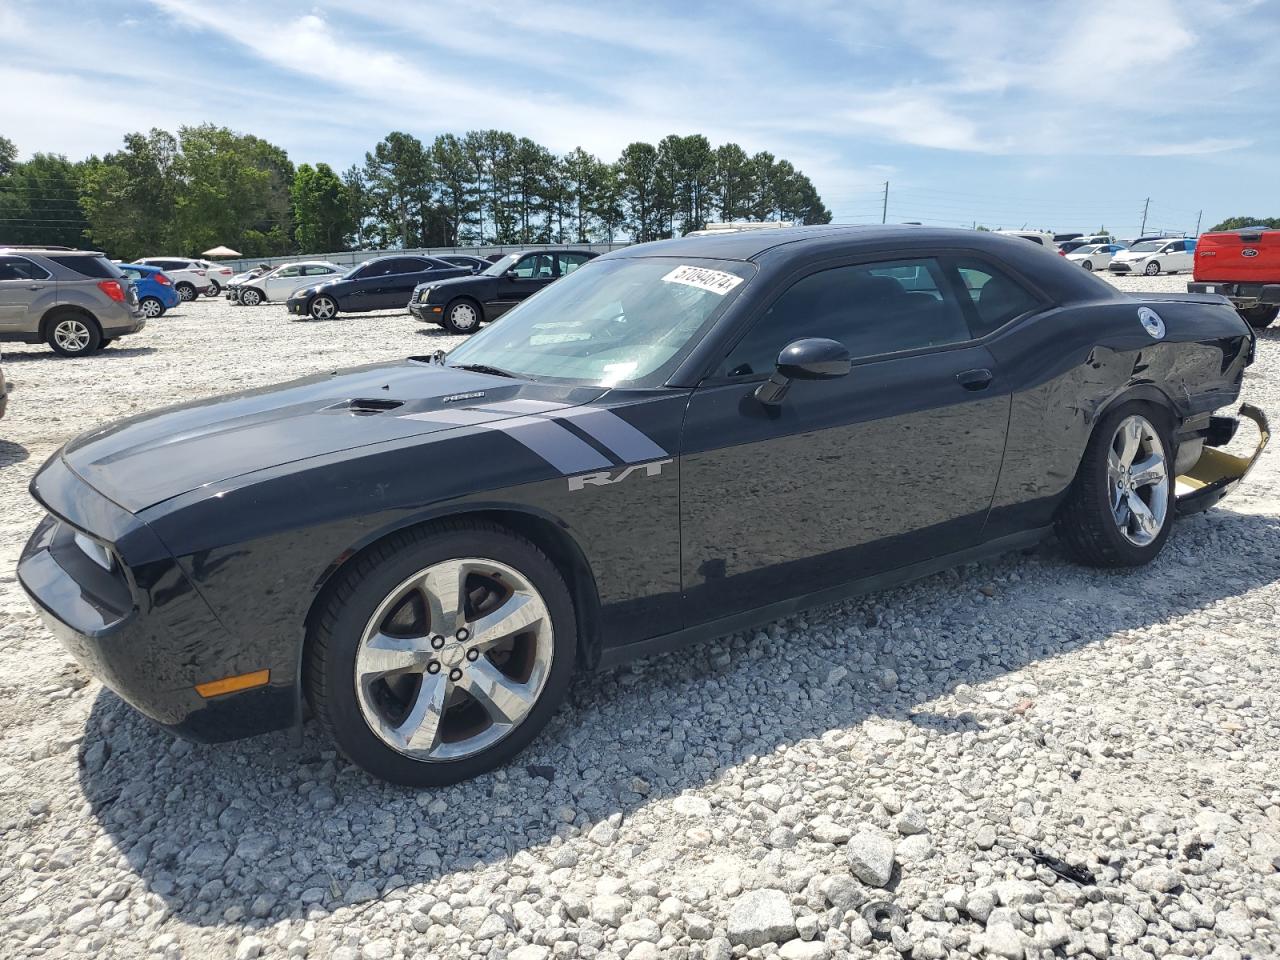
column 997, row 298
column 294, row 271
column 380, row 268
column 412, row 265
column 535, row 266
column 98, row 267
column 20, row 268
column 871, row 308
column 133, row 273
column 316, row 271
column 570, row 262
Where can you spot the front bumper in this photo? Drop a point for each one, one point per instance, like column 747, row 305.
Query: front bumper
column 141, row 628
column 1121, row 266
column 426, row 312
column 297, row 306
column 1217, row 472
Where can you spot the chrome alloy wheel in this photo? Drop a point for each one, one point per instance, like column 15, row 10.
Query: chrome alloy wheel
column 1138, row 480
column 71, row 335
column 151, row 307
column 454, row 659
column 323, row 308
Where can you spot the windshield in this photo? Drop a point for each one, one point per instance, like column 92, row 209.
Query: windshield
column 501, row 266
column 1147, row 246
column 626, row 321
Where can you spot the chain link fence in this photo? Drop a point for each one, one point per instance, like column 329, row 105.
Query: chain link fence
column 352, row 257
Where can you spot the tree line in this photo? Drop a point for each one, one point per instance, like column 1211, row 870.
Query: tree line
column 208, row 185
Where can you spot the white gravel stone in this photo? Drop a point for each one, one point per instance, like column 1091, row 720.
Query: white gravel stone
column 761, row 916
column 871, row 857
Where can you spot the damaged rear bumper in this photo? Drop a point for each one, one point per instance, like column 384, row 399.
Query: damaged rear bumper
column 1217, row 472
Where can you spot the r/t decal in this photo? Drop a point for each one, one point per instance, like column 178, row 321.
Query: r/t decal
column 603, row 478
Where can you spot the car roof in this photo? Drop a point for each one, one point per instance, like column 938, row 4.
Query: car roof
column 143, row 266
column 49, row 251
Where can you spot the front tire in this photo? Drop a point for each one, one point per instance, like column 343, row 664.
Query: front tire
column 1088, row 265
column 1120, row 508
column 323, row 308
column 250, row 297
column 1152, row 269
column 73, row 335
column 441, row 652
column 462, row 317
column 187, row 292
column 1262, row 316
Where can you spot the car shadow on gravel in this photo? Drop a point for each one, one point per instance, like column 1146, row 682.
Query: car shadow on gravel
column 269, row 829
column 44, row 353
column 11, row 453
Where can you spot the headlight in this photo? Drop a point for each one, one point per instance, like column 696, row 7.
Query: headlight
column 94, row 551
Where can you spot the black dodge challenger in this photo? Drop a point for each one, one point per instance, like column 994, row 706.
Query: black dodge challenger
column 679, row 440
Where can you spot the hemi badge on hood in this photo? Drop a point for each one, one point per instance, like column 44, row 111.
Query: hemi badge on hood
column 462, row 396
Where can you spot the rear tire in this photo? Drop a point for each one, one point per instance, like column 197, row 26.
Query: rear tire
column 1262, row 316
column 151, row 307
column 387, row 602
column 1111, row 518
column 187, row 292
column 73, row 334
column 213, row 289
column 462, row 317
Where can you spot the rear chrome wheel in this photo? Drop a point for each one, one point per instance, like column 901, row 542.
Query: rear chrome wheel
column 73, row 335
column 441, row 652
column 151, row 307
column 1119, row 510
column 187, row 292
column 1137, row 475
column 454, row 659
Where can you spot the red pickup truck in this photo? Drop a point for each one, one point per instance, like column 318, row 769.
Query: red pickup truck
column 1244, row 266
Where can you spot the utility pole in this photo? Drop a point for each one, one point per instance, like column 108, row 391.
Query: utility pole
column 1145, row 205
column 1198, row 216
column 884, row 210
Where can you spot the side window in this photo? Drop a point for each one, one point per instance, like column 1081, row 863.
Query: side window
column 316, row 271
column 872, row 308
column 997, row 298
column 20, row 268
column 294, row 271
column 533, row 267
column 570, row 262
column 131, row 273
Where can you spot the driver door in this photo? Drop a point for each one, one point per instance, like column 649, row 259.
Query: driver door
column 892, row 464
column 526, row 277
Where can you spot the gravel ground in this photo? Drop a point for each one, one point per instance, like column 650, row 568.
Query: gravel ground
column 903, row 756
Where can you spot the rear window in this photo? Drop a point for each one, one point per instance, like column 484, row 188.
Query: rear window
column 99, row 268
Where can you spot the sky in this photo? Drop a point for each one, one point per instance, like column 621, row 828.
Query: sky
column 1011, row 113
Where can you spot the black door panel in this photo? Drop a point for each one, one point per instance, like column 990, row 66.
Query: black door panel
column 895, row 463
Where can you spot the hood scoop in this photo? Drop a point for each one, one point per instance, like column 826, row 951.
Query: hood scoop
column 371, row 405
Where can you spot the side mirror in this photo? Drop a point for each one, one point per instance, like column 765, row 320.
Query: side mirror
column 511, row 275
column 812, row 358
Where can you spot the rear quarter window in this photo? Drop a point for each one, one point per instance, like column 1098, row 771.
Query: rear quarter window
column 98, row 268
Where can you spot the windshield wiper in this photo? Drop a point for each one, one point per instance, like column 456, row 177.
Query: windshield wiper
column 485, row 368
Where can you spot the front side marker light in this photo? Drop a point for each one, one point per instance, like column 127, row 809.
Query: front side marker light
column 236, row 684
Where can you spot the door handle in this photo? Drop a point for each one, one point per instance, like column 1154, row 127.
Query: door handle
column 34, row 286
column 978, row 379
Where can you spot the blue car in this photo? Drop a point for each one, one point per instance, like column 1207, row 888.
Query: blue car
column 156, row 292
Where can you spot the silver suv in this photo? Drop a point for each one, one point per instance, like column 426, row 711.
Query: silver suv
column 77, row 301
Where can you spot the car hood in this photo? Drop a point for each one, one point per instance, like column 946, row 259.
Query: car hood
column 1128, row 255
column 145, row 460
column 472, row 283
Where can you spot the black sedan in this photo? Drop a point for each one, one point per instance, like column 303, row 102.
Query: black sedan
column 681, row 440
column 460, row 306
column 384, row 283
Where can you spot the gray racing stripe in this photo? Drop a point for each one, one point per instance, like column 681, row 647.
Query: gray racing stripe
column 628, row 443
column 552, row 442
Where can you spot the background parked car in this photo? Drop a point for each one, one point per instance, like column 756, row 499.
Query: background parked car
column 1244, row 266
column 77, row 301
column 461, row 305
column 1152, row 257
column 156, row 292
column 1094, row 256
column 240, row 279
column 219, row 275
column 384, row 283
column 1042, row 237
column 281, row 282
column 4, row 393
column 189, row 278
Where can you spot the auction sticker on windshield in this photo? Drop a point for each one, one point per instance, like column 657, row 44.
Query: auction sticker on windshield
column 717, row 281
